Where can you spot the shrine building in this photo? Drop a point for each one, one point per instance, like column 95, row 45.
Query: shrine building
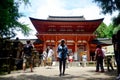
column 76, row 30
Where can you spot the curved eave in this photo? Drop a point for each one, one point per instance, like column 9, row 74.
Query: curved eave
column 75, row 26
column 101, row 19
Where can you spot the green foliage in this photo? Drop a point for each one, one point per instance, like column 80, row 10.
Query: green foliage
column 104, row 31
column 109, row 31
column 101, row 31
column 110, row 6
column 9, row 16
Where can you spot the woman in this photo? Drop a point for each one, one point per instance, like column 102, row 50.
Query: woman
column 99, row 58
column 84, row 59
column 62, row 56
column 44, row 57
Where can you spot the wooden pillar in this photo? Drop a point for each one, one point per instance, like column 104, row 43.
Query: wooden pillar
column 50, row 43
column 88, row 51
column 56, row 45
column 76, row 49
column 76, row 42
column 75, row 46
column 66, row 41
column 44, row 44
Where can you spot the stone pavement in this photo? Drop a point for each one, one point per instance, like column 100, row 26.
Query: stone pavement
column 72, row 73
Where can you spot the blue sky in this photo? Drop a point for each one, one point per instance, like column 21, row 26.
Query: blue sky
column 41, row 9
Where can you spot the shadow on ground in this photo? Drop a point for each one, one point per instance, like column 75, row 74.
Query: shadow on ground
column 111, row 73
column 56, row 77
column 32, row 76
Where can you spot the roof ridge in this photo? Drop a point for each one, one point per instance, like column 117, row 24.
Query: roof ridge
column 66, row 16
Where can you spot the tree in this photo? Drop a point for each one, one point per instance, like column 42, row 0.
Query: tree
column 101, row 31
column 104, row 31
column 110, row 6
column 109, row 30
column 9, row 15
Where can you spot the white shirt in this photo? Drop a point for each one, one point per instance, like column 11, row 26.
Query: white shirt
column 84, row 57
column 104, row 51
column 50, row 53
column 70, row 57
column 44, row 55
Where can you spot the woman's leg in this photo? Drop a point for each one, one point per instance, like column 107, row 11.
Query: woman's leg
column 64, row 63
column 101, row 64
column 60, row 66
column 44, row 62
column 97, row 65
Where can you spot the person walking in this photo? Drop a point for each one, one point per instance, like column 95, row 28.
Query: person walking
column 62, row 56
column 27, row 55
column 109, row 63
column 99, row 58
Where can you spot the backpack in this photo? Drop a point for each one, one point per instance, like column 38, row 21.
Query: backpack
column 100, row 53
column 28, row 49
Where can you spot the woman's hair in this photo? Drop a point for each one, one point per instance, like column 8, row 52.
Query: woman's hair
column 62, row 40
column 28, row 41
column 98, row 46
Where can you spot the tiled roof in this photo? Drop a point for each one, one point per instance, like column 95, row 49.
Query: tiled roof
column 66, row 18
column 102, row 41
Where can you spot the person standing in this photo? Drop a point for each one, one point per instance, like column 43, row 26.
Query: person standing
column 70, row 58
column 84, row 59
column 109, row 63
column 16, row 48
column 44, row 58
column 104, row 50
column 50, row 56
column 99, row 56
column 62, row 56
column 27, row 55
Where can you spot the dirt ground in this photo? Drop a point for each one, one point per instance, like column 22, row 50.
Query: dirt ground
column 72, row 73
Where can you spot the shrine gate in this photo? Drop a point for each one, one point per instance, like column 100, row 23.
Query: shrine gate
column 77, row 32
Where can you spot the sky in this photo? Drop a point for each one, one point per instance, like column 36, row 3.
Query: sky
column 41, row 9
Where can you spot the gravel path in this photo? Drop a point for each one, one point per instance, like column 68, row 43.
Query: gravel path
column 72, row 73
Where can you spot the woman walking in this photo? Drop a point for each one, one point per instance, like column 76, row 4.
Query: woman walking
column 62, row 56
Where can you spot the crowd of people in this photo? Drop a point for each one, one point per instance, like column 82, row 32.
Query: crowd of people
column 64, row 55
